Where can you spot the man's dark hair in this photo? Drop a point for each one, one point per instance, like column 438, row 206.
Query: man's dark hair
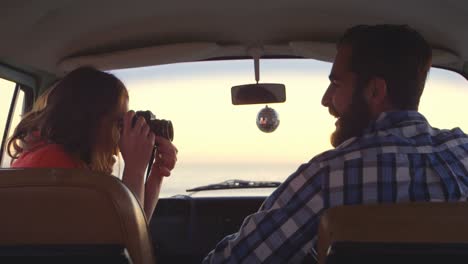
column 395, row 53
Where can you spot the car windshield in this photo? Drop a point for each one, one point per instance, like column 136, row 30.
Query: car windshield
column 220, row 142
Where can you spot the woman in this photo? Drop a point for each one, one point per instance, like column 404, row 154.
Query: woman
column 79, row 125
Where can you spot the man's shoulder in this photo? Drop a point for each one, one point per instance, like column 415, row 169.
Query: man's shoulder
column 345, row 149
column 370, row 145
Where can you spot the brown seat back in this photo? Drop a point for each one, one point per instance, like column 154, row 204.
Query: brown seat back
column 427, row 223
column 71, row 207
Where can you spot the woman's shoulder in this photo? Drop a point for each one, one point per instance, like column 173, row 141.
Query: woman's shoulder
column 46, row 156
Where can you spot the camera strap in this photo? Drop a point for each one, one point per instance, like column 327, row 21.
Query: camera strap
column 150, row 163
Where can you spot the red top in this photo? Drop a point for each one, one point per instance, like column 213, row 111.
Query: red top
column 45, row 156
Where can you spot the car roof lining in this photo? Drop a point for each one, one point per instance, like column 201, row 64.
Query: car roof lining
column 43, row 38
column 188, row 52
column 201, row 52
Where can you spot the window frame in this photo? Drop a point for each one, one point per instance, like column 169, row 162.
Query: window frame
column 27, row 103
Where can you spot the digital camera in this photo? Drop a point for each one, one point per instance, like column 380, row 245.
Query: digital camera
column 159, row 127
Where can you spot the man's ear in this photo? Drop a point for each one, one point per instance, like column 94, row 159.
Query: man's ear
column 376, row 91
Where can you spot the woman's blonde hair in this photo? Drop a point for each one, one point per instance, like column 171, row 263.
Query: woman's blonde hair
column 81, row 113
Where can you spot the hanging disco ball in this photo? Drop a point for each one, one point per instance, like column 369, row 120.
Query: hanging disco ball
column 267, row 120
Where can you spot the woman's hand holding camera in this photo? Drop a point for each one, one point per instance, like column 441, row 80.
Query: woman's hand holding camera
column 136, row 145
column 166, row 157
column 165, row 160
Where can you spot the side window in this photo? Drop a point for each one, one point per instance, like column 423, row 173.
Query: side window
column 444, row 99
column 11, row 100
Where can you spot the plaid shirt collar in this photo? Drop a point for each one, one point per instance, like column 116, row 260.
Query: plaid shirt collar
column 388, row 120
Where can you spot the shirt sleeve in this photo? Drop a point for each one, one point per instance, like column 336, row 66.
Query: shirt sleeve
column 285, row 227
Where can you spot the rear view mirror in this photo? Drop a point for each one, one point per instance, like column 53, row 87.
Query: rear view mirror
column 258, row 93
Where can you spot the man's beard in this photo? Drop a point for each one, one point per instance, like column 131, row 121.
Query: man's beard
column 353, row 122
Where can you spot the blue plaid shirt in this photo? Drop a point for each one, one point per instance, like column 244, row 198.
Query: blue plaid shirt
column 399, row 158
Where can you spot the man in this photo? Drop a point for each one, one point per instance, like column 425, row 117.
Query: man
column 385, row 151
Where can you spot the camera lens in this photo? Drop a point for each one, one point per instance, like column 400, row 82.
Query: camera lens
column 170, row 131
column 162, row 128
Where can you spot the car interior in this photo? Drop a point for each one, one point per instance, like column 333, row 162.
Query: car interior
column 240, row 81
